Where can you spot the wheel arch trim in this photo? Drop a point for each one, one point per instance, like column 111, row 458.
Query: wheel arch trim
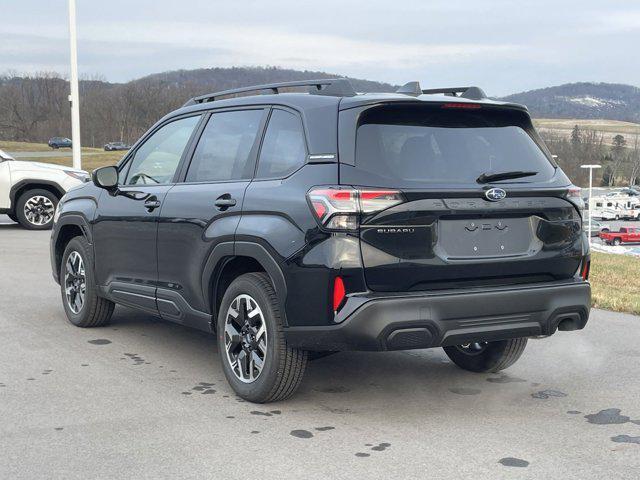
column 223, row 252
column 75, row 220
column 35, row 183
column 65, row 221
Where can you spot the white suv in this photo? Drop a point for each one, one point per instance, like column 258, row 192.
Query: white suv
column 30, row 191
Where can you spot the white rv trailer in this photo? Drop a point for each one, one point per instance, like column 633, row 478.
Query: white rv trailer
column 616, row 206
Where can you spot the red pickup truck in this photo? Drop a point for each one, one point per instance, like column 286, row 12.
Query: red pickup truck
column 624, row 235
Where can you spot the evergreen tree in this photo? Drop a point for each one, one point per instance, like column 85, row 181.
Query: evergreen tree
column 576, row 136
column 618, row 144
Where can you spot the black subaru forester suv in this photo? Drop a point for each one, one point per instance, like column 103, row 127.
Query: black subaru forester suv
column 296, row 224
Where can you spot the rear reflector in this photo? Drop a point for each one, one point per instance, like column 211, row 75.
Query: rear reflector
column 586, row 266
column 338, row 293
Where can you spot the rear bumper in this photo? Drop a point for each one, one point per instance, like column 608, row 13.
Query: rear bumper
column 401, row 322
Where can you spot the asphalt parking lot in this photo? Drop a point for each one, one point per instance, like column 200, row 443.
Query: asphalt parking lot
column 142, row 398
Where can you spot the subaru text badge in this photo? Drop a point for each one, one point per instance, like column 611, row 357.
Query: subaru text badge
column 495, row 194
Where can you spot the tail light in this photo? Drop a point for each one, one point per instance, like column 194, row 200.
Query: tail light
column 339, row 208
column 574, row 195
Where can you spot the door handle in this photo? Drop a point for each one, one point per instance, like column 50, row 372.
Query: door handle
column 151, row 204
column 225, row 201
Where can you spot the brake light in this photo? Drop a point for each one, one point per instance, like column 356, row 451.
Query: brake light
column 338, row 208
column 467, row 106
column 338, row 293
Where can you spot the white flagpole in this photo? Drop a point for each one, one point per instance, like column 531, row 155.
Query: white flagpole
column 74, row 98
column 590, row 167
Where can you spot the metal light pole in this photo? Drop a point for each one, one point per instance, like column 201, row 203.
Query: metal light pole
column 590, row 167
column 74, row 98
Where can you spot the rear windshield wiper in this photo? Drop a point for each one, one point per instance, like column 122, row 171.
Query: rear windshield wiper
column 494, row 177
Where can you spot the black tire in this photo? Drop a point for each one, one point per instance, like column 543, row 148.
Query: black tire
column 24, row 198
column 617, row 241
column 95, row 311
column 283, row 366
column 494, row 357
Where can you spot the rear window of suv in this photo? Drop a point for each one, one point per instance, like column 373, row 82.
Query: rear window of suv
column 413, row 146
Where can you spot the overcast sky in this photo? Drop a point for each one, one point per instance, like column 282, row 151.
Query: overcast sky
column 504, row 46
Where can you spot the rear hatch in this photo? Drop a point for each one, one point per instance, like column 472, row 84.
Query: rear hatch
column 461, row 223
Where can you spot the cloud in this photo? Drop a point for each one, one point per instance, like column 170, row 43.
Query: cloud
column 272, row 46
column 618, row 22
column 502, row 45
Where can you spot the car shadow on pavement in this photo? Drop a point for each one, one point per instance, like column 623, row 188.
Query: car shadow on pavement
column 340, row 383
column 10, row 226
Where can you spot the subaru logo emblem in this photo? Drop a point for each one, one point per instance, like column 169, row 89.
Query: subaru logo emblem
column 495, row 194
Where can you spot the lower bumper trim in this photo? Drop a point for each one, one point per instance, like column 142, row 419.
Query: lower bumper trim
column 399, row 323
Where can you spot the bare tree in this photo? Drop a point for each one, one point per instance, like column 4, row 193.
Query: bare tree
column 634, row 161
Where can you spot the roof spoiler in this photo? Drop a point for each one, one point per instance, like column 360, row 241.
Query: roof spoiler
column 335, row 87
column 414, row 89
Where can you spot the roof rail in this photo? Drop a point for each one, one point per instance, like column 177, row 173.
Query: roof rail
column 338, row 87
column 414, row 89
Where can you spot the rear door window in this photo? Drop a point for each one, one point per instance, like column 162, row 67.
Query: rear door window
column 418, row 146
column 283, row 149
column 224, row 150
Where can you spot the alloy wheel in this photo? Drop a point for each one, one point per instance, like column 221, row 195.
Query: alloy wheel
column 75, row 284
column 245, row 337
column 39, row 210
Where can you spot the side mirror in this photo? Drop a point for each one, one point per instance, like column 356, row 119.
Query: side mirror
column 106, row 177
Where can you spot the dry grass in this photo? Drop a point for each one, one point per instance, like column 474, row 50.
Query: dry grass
column 615, row 282
column 608, row 128
column 92, row 158
column 89, row 162
column 24, row 147
column 625, row 128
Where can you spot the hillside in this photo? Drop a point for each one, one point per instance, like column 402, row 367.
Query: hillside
column 210, row 79
column 585, row 100
column 35, row 108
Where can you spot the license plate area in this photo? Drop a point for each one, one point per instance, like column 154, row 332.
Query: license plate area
column 487, row 238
